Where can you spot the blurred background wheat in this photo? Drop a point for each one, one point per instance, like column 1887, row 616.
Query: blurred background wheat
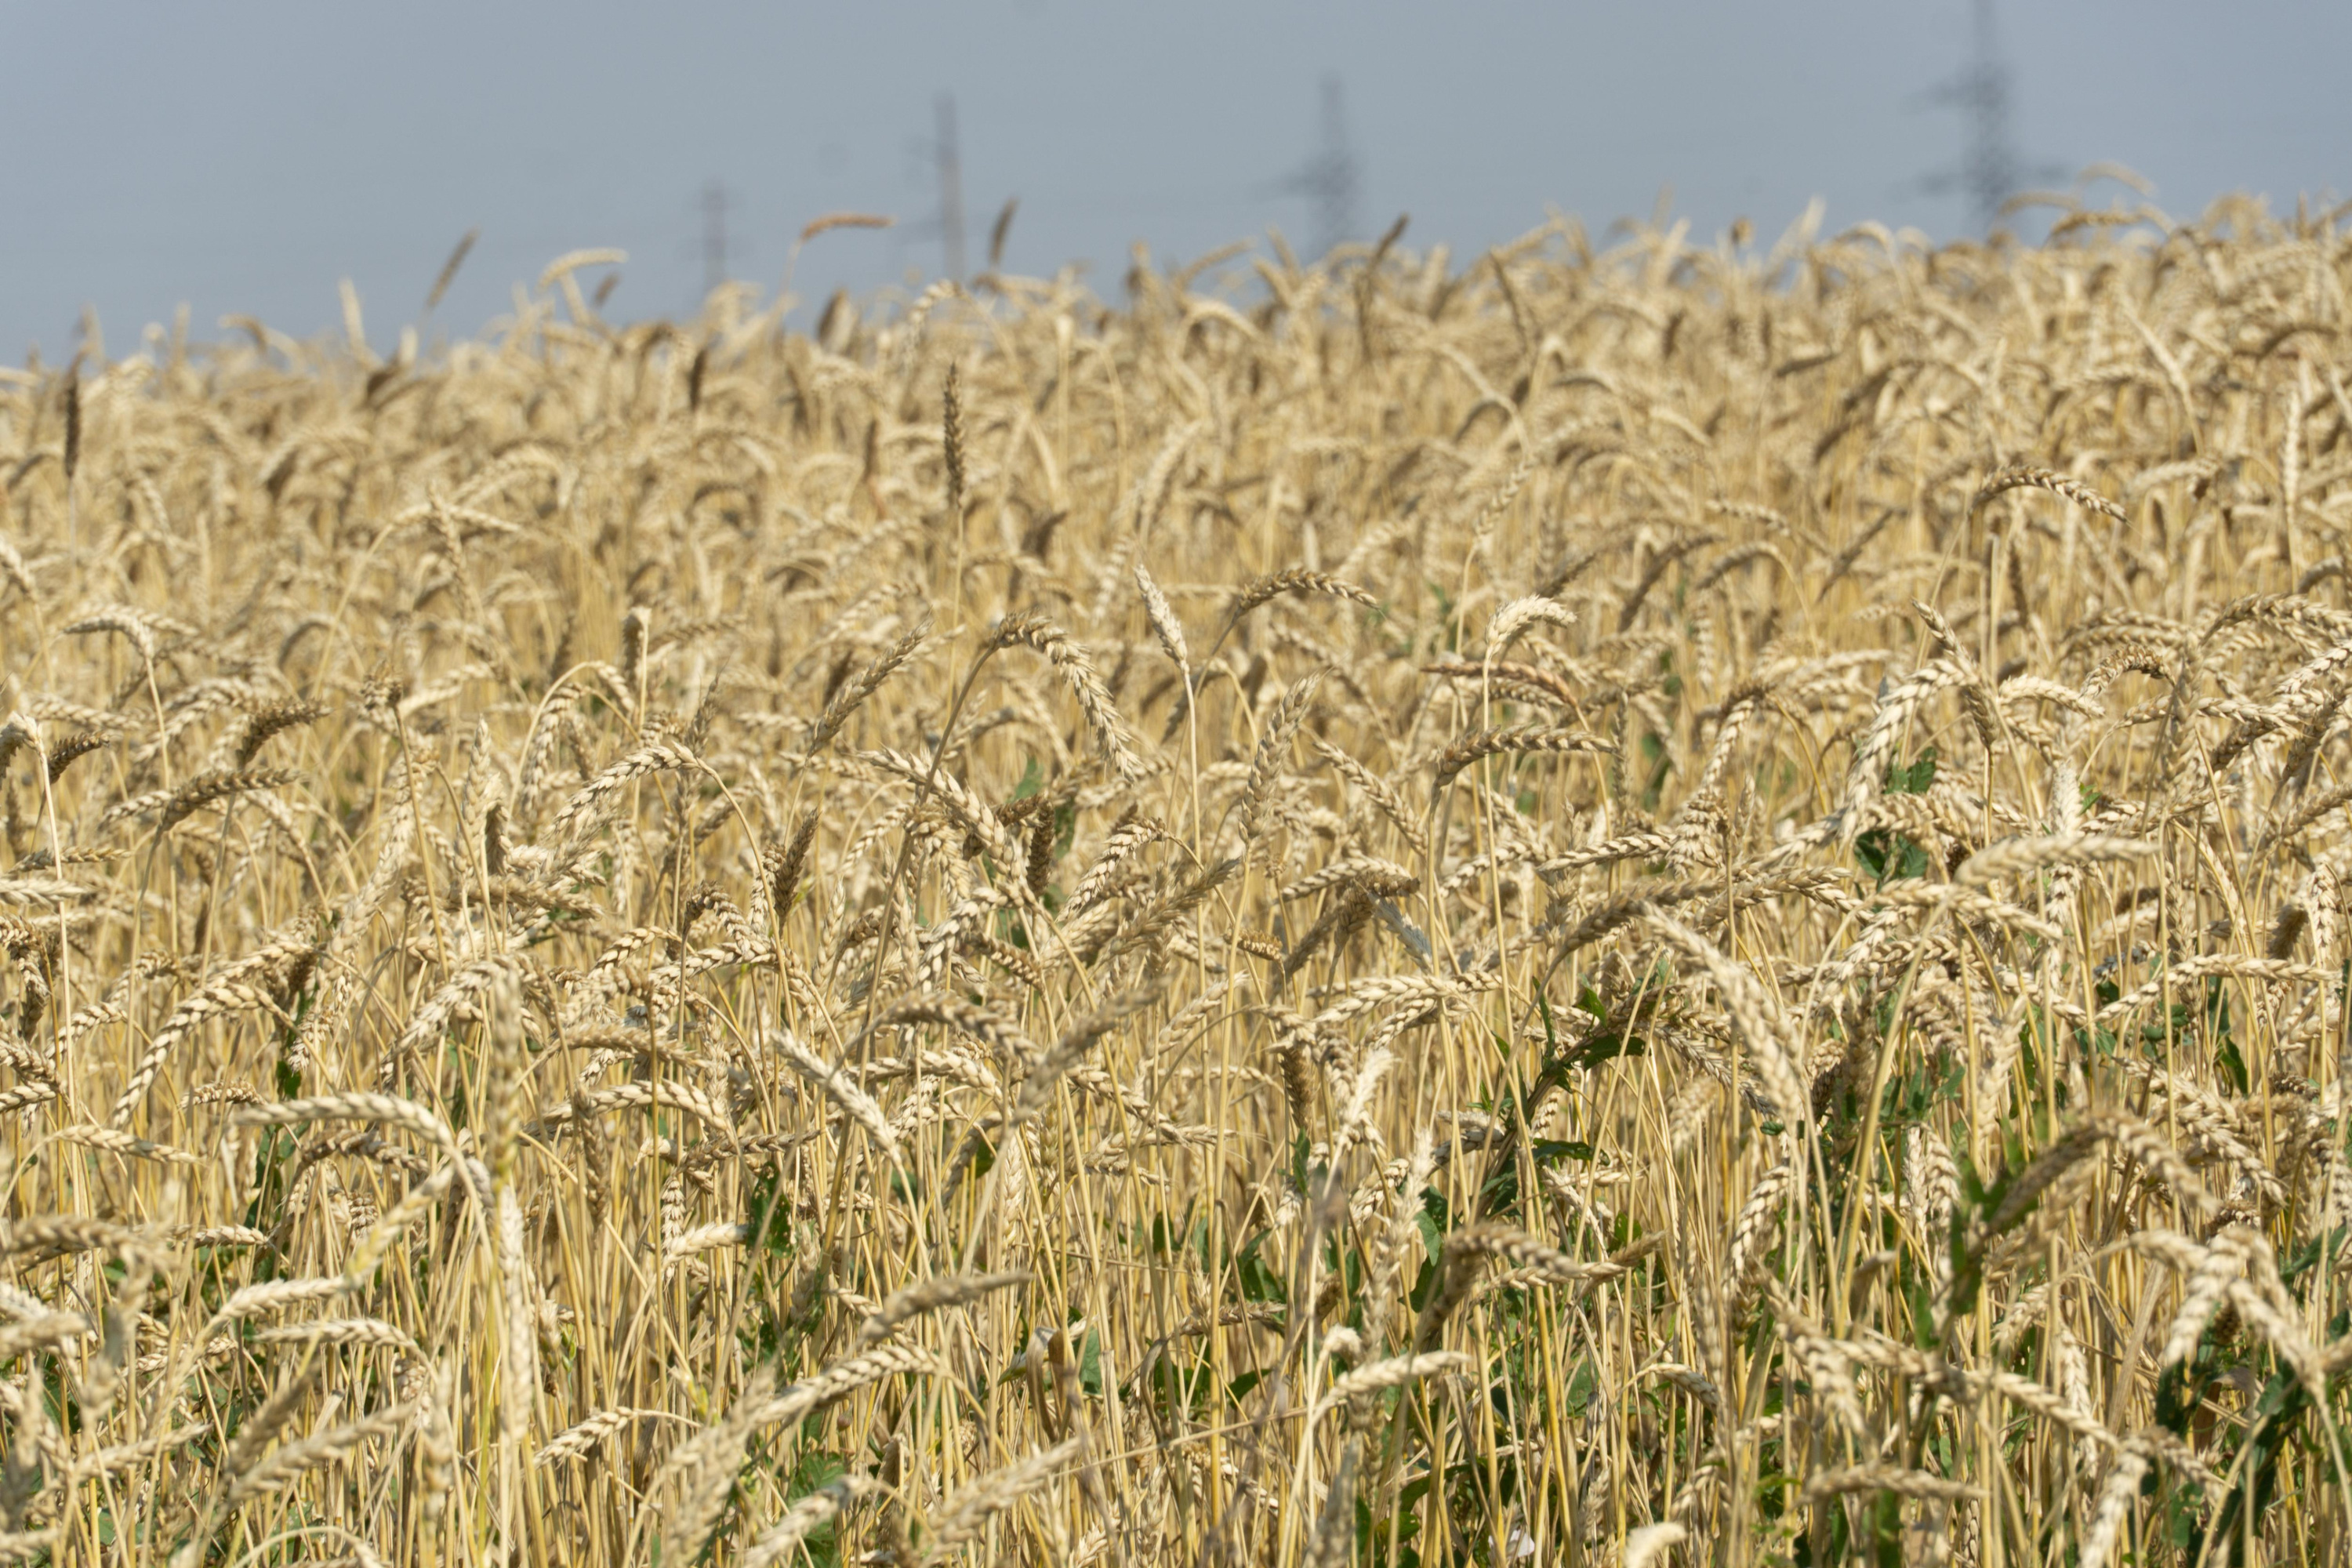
column 1641, row 905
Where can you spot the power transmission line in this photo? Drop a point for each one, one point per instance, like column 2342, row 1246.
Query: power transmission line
column 946, row 152
column 938, row 158
column 1991, row 170
column 714, row 236
column 1332, row 177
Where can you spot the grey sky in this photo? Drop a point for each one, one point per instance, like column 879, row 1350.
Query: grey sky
column 244, row 157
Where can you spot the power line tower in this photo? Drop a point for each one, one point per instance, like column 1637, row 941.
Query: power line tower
column 714, row 236
column 1332, row 176
column 1991, row 170
column 947, row 155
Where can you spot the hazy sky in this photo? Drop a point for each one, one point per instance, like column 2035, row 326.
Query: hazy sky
column 245, row 156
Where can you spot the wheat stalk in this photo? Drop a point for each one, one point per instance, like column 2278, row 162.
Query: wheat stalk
column 1925, row 1017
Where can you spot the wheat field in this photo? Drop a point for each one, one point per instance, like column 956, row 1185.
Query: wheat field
column 1623, row 903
